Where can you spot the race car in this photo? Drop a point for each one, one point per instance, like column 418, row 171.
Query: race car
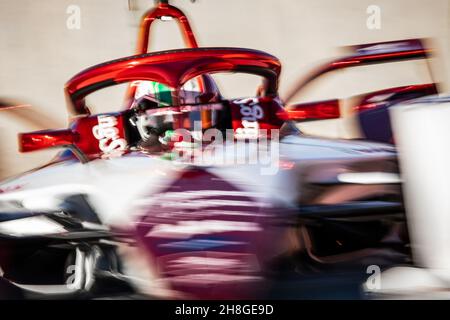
column 188, row 194
column 182, row 192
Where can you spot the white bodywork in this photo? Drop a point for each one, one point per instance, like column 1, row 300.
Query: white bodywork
column 114, row 185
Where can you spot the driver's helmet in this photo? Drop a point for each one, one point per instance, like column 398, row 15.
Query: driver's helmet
column 161, row 112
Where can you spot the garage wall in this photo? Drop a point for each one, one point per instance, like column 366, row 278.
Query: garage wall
column 39, row 53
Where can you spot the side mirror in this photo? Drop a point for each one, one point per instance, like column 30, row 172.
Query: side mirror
column 37, row 140
column 320, row 110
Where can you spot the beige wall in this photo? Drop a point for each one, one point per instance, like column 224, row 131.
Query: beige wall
column 39, row 53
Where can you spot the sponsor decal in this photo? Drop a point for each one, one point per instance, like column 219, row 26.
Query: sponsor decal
column 107, row 133
column 209, row 268
column 251, row 113
column 188, row 229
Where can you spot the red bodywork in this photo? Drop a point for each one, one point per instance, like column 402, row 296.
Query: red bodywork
column 368, row 103
column 163, row 10
column 373, row 53
column 372, row 109
column 172, row 68
column 320, row 110
column 238, row 246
